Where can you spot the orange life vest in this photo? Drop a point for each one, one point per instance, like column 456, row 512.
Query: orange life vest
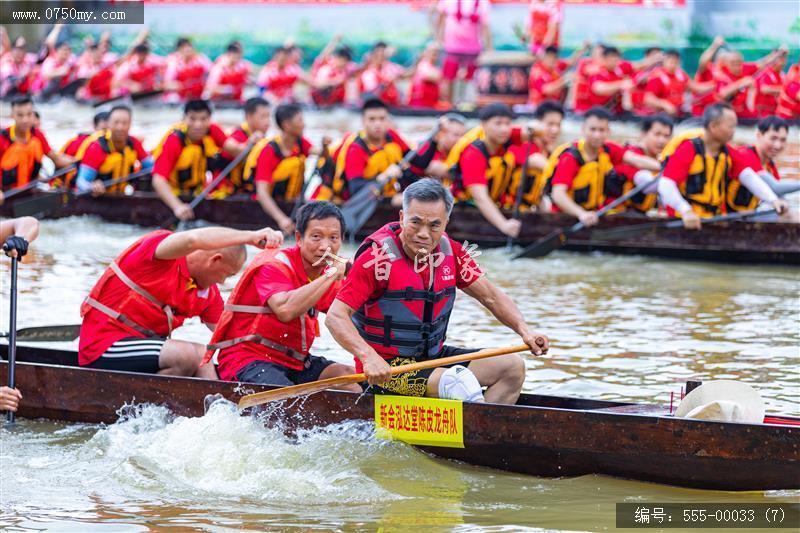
column 21, row 161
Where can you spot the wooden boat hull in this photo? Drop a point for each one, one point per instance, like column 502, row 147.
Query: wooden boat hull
column 736, row 242
column 541, row 435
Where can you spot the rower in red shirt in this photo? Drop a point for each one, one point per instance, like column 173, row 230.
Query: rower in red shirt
column 706, row 92
column 771, row 137
column 789, row 99
column 141, row 72
column 396, row 302
column 151, row 289
column 544, row 23
column 580, row 99
column 271, row 319
column 426, row 78
column 735, row 78
column 228, row 76
column 379, row 75
column 372, row 154
column 666, row 88
column 22, row 147
column 186, row 73
column 73, row 144
column 582, row 174
column 17, row 70
column 763, row 97
column 655, row 134
column 56, row 72
column 482, row 165
column 610, row 87
column 329, row 77
column 640, row 72
column 256, row 119
column 548, row 79
column 186, row 153
column 279, row 76
column 111, row 155
column 430, row 157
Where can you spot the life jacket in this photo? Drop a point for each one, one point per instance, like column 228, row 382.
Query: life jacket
column 21, row 162
column 379, row 159
column 71, row 147
column 789, row 105
column 288, row 176
column 326, row 170
column 235, row 182
column 139, row 302
column 640, row 201
column 498, row 168
column 535, row 184
column 189, row 173
column 287, row 343
column 705, row 184
column 409, row 319
column 738, row 197
column 117, row 164
column 596, row 181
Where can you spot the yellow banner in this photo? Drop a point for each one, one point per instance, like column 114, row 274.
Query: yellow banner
column 422, row 421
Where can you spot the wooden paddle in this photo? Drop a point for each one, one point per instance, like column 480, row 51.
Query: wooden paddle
column 638, row 229
column 360, row 207
column 30, row 185
column 63, row 333
column 171, row 221
column 12, row 328
column 49, row 201
column 304, row 389
column 557, row 238
column 523, row 182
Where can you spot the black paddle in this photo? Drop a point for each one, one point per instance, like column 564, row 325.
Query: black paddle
column 170, row 222
column 523, row 183
column 30, row 185
column 557, row 238
column 639, row 229
column 12, row 328
column 360, row 207
column 49, row 201
column 132, row 97
column 60, row 333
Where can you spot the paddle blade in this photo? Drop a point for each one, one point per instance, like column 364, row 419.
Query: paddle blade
column 40, row 204
column 293, row 391
column 65, row 333
column 543, row 247
column 358, row 209
column 623, row 232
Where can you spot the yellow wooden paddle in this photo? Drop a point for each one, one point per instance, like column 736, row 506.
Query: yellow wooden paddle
column 316, row 386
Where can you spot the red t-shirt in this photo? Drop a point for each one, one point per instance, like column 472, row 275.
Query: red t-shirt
column 268, row 281
column 607, row 76
column 669, row 86
column 766, row 103
column 173, row 146
column 238, row 135
column 357, row 158
column 95, row 155
column 71, row 147
column 362, row 283
column 568, row 166
column 739, row 99
column 541, row 76
column 707, row 97
column 269, row 159
column 36, row 132
column 747, row 157
column 473, row 163
column 99, row 331
column 629, row 171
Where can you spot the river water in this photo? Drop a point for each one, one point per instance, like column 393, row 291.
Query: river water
column 625, row 328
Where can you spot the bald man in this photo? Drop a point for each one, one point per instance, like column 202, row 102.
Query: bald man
column 151, row 288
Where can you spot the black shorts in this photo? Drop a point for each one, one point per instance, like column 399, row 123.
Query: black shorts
column 266, row 373
column 132, row 354
column 414, row 383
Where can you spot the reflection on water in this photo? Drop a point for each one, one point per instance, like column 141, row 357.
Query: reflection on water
column 622, row 328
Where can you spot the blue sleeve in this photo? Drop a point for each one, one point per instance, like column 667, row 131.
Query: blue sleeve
column 148, row 162
column 86, row 176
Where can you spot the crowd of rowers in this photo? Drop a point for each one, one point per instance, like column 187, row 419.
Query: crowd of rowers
column 496, row 165
column 654, row 84
column 391, row 304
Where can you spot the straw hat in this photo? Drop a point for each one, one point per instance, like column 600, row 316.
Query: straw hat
column 723, row 401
